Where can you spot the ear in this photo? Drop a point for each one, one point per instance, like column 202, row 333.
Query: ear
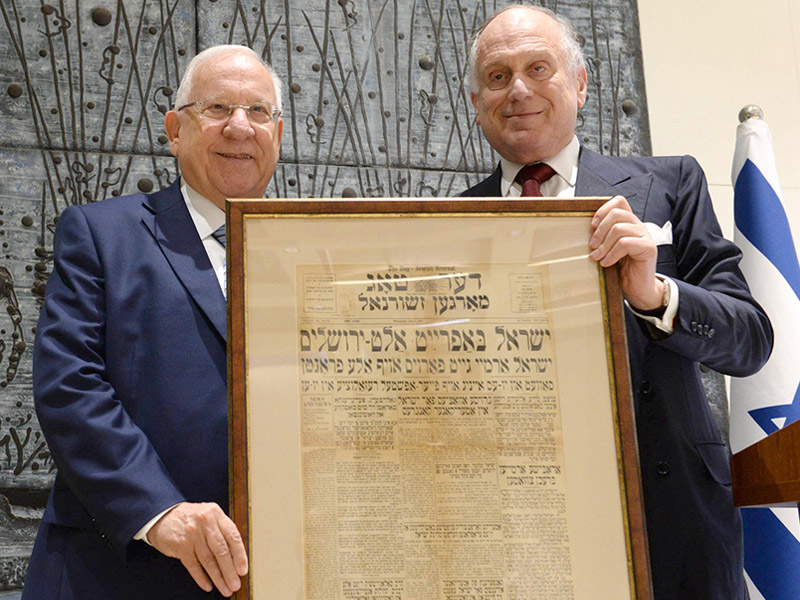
column 474, row 97
column 279, row 134
column 172, row 125
column 581, row 83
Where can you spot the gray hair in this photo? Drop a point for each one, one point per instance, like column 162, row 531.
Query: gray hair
column 187, row 81
column 570, row 43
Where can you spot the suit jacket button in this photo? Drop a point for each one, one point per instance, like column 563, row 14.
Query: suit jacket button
column 646, row 391
column 694, row 326
column 711, row 333
column 705, row 330
column 662, row 469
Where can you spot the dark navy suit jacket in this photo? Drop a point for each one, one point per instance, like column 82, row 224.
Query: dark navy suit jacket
column 130, row 390
column 694, row 531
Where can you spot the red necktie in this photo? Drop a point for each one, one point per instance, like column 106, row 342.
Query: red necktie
column 532, row 176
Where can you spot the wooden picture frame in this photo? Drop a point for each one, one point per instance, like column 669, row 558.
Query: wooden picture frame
column 429, row 394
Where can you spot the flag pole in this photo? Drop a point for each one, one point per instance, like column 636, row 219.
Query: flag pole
column 769, row 400
column 751, row 111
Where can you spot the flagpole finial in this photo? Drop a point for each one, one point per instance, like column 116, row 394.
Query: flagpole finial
column 751, row 111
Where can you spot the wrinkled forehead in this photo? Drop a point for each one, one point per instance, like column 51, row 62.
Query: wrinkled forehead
column 520, row 31
column 233, row 72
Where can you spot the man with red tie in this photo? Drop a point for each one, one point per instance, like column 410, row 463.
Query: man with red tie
column 687, row 300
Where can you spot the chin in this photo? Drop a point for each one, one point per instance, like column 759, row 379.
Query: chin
column 243, row 194
column 524, row 156
column 239, row 189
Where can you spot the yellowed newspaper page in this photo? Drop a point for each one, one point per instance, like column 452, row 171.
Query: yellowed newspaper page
column 431, row 441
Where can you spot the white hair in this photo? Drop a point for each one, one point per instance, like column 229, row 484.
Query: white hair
column 570, row 44
column 187, row 81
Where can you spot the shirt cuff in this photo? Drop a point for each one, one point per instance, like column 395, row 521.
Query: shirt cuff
column 666, row 322
column 142, row 533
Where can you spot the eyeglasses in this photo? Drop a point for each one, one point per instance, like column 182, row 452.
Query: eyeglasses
column 261, row 114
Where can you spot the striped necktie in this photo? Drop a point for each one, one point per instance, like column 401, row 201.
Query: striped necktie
column 219, row 235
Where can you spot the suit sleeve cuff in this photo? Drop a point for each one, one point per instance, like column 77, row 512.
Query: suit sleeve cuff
column 666, row 322
column 142, row 533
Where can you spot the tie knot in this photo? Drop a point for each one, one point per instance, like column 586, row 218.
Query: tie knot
column 532, row 176
column 219, row 235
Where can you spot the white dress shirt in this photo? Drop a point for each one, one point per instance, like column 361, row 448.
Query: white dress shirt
column 560, row 185
column 207, row 218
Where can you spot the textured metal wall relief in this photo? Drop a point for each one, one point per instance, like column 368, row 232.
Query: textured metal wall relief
column 375, row 98
column 375, row 104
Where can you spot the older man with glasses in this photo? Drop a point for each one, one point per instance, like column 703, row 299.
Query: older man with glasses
column 130, row 381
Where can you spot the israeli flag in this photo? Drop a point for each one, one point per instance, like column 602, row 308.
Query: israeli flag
column 769, row 400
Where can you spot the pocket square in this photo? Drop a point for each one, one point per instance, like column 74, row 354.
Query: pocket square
column 662, row 236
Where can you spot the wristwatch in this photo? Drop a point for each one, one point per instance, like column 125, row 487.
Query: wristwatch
column 665, row 298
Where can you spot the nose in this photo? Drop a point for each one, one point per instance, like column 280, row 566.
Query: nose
column 519, row 89
column 238, row 125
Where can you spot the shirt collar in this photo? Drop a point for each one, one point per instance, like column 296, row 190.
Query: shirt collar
column 564, row 163
column 206, row 215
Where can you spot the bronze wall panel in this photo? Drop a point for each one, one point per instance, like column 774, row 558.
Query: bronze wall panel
column 374, row 105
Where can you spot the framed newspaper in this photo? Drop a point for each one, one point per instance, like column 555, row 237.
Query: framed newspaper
column 430, row 400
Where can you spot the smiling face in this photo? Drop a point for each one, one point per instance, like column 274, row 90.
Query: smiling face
column 528, row 95
column 232, row 158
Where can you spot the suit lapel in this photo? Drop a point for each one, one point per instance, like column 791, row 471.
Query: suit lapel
column 600, row 176
column 597, row 176
column 168, row 220
column 489, row 187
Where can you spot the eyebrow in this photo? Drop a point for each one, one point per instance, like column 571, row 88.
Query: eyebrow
column 537, row 58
